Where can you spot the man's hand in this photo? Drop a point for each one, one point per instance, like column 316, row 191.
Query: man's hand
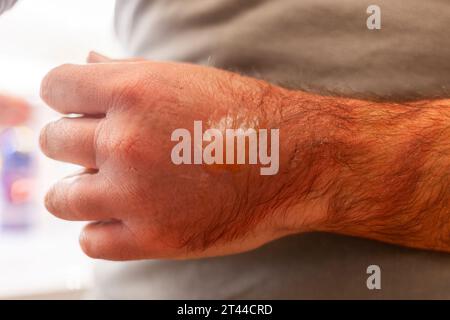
column 142, row 204
column 375, row 170
column 13, row 111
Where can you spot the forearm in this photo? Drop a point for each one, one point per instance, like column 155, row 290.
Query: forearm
column 375, row 170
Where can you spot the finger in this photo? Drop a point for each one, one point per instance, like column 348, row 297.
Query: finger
column 71, row 140
column 95, row 57
column 110, row 240
column 13, row 111
column 82, row 89
column 81, row 197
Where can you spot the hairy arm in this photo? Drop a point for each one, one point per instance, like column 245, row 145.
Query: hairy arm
column 370, row 169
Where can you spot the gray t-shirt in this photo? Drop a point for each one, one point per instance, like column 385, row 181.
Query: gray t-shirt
column 6, row 4
column 315, row 45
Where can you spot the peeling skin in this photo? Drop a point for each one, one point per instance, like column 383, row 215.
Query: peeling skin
column 241, row 117
column 239, row 120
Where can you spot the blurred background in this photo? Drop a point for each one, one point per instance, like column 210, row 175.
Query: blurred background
column 39, row 255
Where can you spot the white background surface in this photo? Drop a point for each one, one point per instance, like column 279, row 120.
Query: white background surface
column 36, row 36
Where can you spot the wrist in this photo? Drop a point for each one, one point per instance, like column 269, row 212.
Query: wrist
column 301, row 190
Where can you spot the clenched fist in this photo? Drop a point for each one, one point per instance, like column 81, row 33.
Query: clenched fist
column 141, row 202
column 162, row 179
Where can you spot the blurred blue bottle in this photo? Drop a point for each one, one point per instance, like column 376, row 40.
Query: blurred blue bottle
column 17, row 179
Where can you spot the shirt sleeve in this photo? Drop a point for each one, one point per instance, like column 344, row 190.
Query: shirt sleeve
column 6, row 4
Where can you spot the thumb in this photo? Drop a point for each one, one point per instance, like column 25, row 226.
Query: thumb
column 95, row 57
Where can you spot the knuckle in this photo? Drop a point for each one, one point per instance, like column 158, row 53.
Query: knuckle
column 127, row 93
column 128, row 148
